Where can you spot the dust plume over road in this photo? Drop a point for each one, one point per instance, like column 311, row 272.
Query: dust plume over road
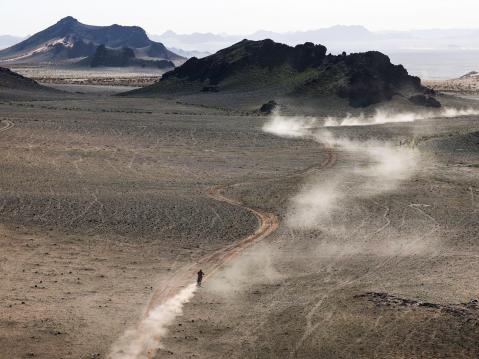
column 315, row 204
column 143, row 341
column 402, row 220
column 292, row 126
column 389, row 217
column 166, row 303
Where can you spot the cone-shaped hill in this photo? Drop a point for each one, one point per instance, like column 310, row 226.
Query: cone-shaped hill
column 69, row 39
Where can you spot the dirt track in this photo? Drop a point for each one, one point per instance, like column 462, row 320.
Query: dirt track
column 415, row 242
column 102, row 199
column 267, row 224
column 8, row 125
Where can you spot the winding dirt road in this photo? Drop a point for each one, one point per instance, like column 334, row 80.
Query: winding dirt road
column 267, row 224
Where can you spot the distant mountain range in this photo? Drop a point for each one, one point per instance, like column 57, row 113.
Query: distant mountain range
column 70, row 41
column 191, row 53
column 203, row 42
column 336, row 38
column 9, row 40
column 430, row 54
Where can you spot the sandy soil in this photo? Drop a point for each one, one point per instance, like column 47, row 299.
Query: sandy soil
column 130, row 76
column 109, row 206
column 391, row 276
column 103, row 199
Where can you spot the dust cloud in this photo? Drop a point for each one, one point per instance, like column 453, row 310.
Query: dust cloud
column 252, row 267
column 143, row 341
column 327, row 203
column 298, row 126
column 383, row 168
column 383, row 116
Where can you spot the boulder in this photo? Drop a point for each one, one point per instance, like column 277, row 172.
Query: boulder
column 268, row 107
column 424, row 100
column 210, row 89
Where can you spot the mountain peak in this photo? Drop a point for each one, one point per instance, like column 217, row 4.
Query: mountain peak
column 68, row 20
column 169, row 33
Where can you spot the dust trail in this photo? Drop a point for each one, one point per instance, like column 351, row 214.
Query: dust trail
column 383, row 116
column 379, row 118
column 143, row 341
column 326, row 203
column 8, row 125
column 384, row 167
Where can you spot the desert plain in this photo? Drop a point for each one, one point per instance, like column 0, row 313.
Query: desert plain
column 106, row 201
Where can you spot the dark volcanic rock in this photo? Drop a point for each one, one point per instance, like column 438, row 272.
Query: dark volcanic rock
column 115, row 58
column 268, row 107
column 70, row 39
column 426, row 101
column 12, row 80
column 247, row 54
column 470, row 309
column 362, row 79
column 372, row 78
column 210, row 89
column 122, row 58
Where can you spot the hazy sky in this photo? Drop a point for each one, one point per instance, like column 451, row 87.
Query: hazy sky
column 22, row 17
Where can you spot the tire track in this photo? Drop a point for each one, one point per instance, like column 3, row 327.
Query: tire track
column 144, row 340
column 267, row 223
column 9, row 125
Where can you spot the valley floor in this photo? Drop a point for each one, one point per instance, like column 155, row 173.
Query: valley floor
column 84, row 76
column 104, row 199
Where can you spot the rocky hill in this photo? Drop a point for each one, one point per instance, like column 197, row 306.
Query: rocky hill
column 124, row 57
column 470, row 75
column 69, row 39
column 13, row 81
column 305, row 70
column 14, row 86
column 465, row 84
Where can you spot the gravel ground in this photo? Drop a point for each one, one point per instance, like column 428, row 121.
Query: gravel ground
column 104, row 199
column 326, row 292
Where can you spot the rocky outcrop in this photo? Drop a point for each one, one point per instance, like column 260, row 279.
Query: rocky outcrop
column 14, row 81
column 248, row 54
column 371, row 78
column 114, row 58
column 305, row 70
column 268, row 107
column 124, row 57
column 425, row 101
column 469, row 309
